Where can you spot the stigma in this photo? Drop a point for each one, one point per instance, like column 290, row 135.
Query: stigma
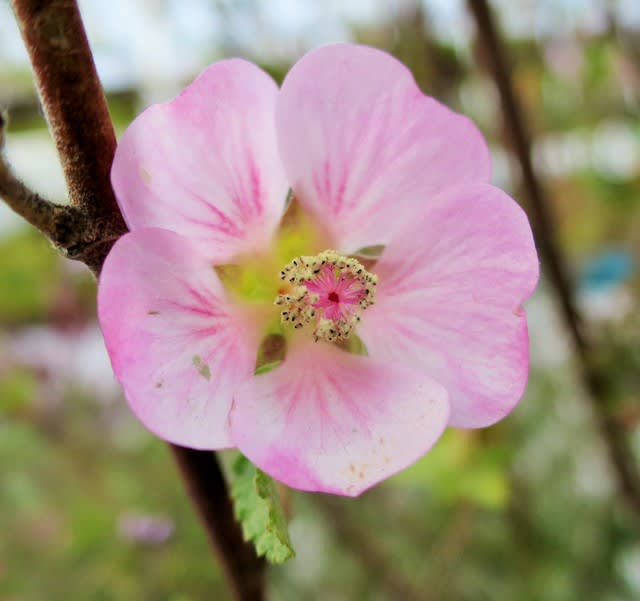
column 327, row 291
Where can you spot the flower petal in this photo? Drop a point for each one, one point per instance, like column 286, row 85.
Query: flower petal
column 206, row 165
column 176, row 344
column 329, row 421
column 449, row 301
column 363, row 147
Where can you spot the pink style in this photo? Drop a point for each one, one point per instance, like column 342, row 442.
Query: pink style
column 371, row 162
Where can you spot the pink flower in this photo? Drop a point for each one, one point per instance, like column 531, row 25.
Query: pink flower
column 187, row 297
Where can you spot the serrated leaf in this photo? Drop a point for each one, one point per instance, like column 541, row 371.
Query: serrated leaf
column 257, row 507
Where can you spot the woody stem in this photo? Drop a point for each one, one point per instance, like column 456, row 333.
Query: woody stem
column 76, row 110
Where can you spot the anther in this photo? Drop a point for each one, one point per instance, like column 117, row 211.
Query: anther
column 330, row 291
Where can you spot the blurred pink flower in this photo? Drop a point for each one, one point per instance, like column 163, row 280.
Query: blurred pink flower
column 371, row 161
column 145, row 529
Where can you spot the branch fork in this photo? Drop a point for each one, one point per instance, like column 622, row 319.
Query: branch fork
column 68, row 227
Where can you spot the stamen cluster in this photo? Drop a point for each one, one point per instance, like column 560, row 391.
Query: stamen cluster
column 329, row 290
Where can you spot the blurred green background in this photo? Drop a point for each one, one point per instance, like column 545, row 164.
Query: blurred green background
column 91, row 506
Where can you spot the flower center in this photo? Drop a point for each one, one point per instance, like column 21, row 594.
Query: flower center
column 327, row 290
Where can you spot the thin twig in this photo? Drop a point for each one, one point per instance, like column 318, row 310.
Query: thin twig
column 620, row 454
column 76, row 110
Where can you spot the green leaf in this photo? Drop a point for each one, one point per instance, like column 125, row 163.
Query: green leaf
column 258, row 508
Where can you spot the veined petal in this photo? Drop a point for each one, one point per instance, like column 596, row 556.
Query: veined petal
column 449, row 301
column 206, row 165
column 364, row 148
column 329, row 421
column 176, row 344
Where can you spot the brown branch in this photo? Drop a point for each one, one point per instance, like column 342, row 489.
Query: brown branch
column 76, row 110
column 63, row 225
column 207, row 486
column 594, row 381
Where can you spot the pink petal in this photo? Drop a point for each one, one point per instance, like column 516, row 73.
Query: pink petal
column 176, row 344
column 329, row 421
column 449, row 301
column 205, row 165
column 363, row 148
